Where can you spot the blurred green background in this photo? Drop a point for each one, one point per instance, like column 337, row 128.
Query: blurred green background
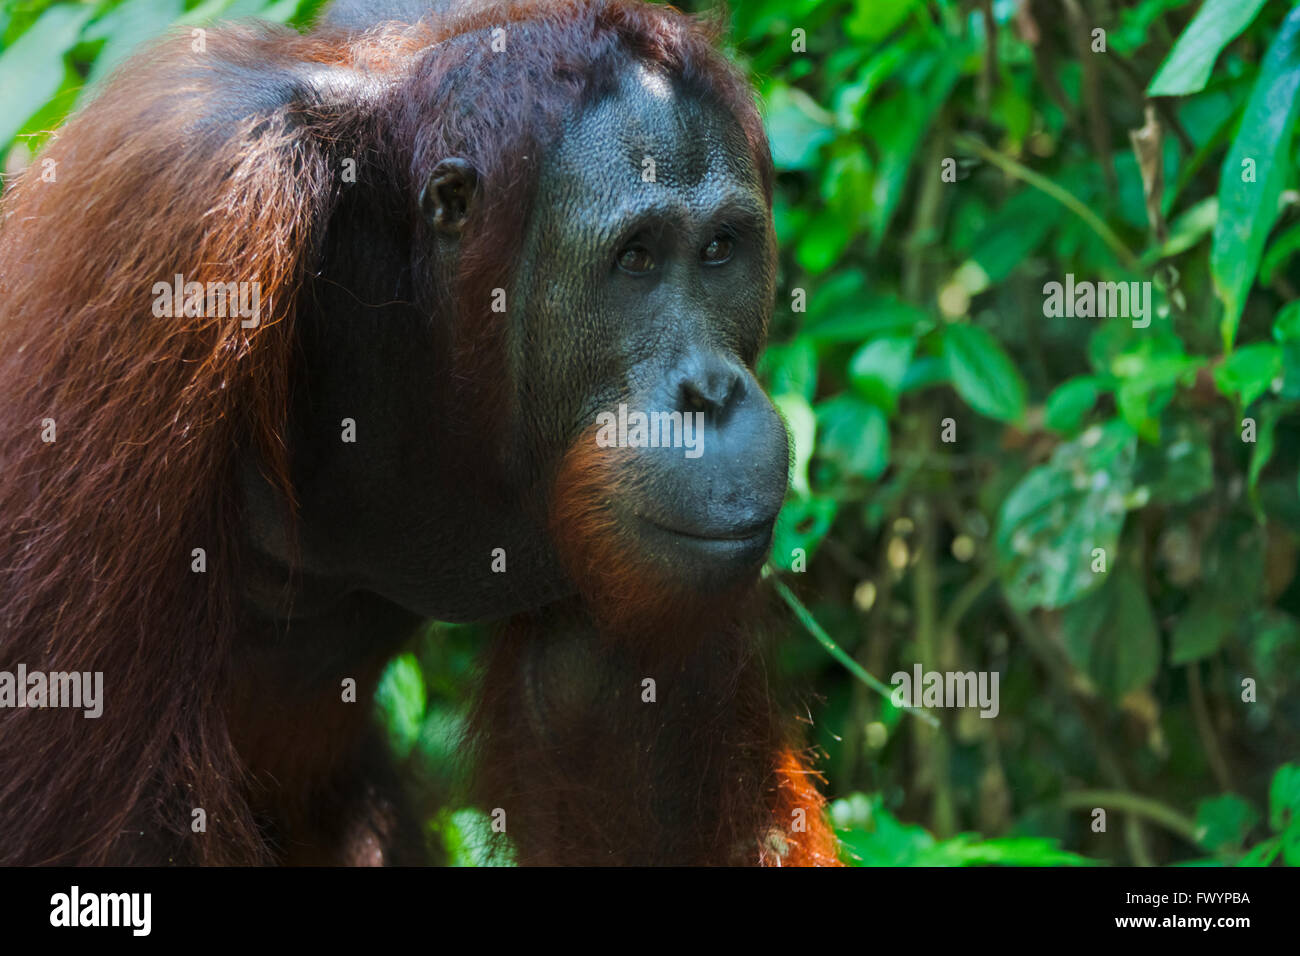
column 1105, row 514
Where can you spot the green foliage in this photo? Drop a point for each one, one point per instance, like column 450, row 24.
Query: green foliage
column 1216, row 24
column 1062, row 512
column 29, row 75
column 1259, row 164
column 52, row 53
column 873, row 836
column 402, row 701
column 1224, row 824
column 1127, row 482
column 983, row 374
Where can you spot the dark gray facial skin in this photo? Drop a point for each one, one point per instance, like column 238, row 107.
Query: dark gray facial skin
column 677, row 332
column 410, row 515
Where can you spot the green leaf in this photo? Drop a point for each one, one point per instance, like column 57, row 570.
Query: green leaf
column 1178, row 469
column 1150, row 363
column 873, row 20
column 967, row 849
column 790, row 368
column 925, row 371
column 1233, row 562
column 824, row 241
column 1112, row 636
column 31, row 70
column 1216, row 24
column 876, row 370
column 1286, row 327
column 1248, row 372
column 875, row 837
column 1262, row 854
column 1139, row 403
column 1151, row 360
column 1284, row 810
column 854, row 436
column 1283, row 248
column 1185, row 232
column 847, row 320
column 1010, row 236
column 1201, row 630
column 442, row 731
column 982, row 373
column 846, row 182
column 470, row 841
column 854, row 98
column 401, row 697
column 281, row 11
column 1265, row 439
column 1290, row 370
column 210, row 11
column 838, row 294
column 801, row 426
column 1069, row 403
column 126, row 27
column 1059, row 513
column 207, row 11
column 796, row 126
column 1274, row 643
column 1224, row 822
column 1284, row 798
column 897, row 125
column 1247, row 210
column 1291, row 846
column 803, row 523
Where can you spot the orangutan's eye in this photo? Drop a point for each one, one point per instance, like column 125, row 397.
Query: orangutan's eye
column 717, row 251
column 636, row 260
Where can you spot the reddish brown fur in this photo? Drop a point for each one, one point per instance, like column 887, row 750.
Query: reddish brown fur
column 98, row 526
column 811, row 842
column 151, row 413
column 589, row 772
column 563, row 772
column 630, row 597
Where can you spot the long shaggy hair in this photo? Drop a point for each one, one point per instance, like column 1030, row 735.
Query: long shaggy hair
column 224, row 166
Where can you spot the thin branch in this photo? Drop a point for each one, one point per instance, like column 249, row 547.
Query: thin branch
column 1049, row 188
column 1061, row 671
column 1204, row 729
column 1131, row 803
column 966, row 597
column 826, row 641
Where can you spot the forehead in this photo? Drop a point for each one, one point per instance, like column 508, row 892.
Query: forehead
column 652, row 134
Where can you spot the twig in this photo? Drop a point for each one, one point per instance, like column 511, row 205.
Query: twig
column 967, row 596
column 1042, row 648
column 1049, row 188
column 1132, row 803
column 934, row 654
column 826, row 641
column 1204, row 729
